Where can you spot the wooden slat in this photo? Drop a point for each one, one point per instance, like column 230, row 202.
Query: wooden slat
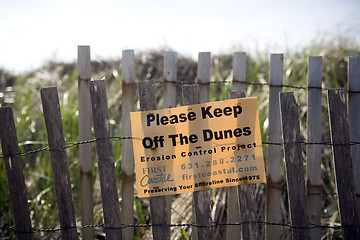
column 354, row 116
column 203, row 75
column 313, row 151
column 59, row 162
column 246, row 202
column 170, row 72
column 170, row 68
column 273, row 208
column 202, row 203
column 157, row 204
column 239, row 71
column 109, row 193
column 85, row 150
column 14, row 173
column 294, row 166
column 233, row 208
column 340, row 138
column 127, row 162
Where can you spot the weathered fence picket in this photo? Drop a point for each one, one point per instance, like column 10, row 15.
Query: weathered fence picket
column 273, row 208
column 239, row 72
column 170, row 71
column 233, row 210
column 157, row 204
column 340, row 139
column 243, row 202
column 85, row 153
column 109, row 192
column 59, row 162
column 238, row 91
column 203, row 75
column 354, row 116
column 202, row 205
column 127, row 161
column 14, row 173
column 313, row 151
column 294, row 166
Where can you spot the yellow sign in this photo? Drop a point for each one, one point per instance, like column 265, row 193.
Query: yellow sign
column 197, row 147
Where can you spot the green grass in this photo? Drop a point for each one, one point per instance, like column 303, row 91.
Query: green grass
column 24, row 97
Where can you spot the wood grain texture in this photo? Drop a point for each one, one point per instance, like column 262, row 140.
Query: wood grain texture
column 247, row 201
column 157, row 204
column 109, row 192
column 274, row 159
column 14, row 173
column 340, row 138
column 59, row 162
column 239, row 70
column 294, row 166
column 313, row 151
column 85, row 150
column 354, row 116
column 127, row 161
column 170, row 77
column 202, row 204
column 233, row 209
column 203, row 75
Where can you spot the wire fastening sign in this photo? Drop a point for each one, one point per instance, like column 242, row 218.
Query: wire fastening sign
column 197, row 147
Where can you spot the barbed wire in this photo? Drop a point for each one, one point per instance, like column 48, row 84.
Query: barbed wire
column 74, row 144
column 267, row 84
column 213, row 225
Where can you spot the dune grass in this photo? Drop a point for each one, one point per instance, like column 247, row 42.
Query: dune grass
column 23, row 94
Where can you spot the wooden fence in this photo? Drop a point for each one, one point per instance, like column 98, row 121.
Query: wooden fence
column 246, row 216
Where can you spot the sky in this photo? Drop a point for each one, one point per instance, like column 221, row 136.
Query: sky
column 33, row 32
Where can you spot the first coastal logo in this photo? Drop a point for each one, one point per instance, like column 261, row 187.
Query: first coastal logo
column 197, row 147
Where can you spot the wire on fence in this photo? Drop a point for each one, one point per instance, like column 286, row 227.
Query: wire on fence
column 255, row 84
column 69, row 145
column 123, row 226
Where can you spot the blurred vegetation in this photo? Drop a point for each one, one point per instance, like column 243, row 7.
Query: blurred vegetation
column 22, row 93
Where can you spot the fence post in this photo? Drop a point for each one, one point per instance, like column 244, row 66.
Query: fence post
column 127, row 162
column 157, row 204
column 14, row 173
column 202, row 203
column 59, row 162
column 354, row 116
column 313, row 151
column 170, row 70
column 294, row 166
column 340, row 139
column 203, row 75
column 239, row 71
column 85, row 150
column 109, row 192
column 273, row 207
